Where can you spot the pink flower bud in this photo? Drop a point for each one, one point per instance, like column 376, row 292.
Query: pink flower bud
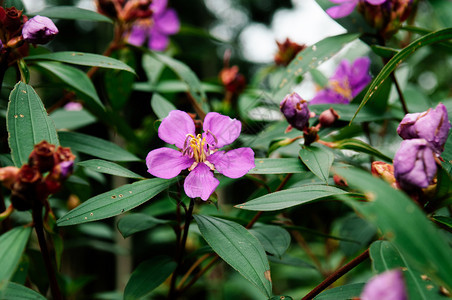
column 295, row 110
column 388, row 285
column 328, row 117
column 39, row 30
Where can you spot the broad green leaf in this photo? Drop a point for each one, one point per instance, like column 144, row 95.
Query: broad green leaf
column 384, row 52
column 115, row 202
column 16, row 3
column 290, row 197
column 318, row 160
column 71, row 119
column 239, row 248
column 83, row 59
column 27, row 123
column 291, row 261
column 74, row 78
column 12, row 245
column 16, row 291
column 403, row 223
column 94, row 146
column 447, row 221
column 391, row 65
column 147, row 276
column 118, row 83
column 278, row 166
column 71, row 13
column 108, row 167
column 174, row 86
column 343, row 292
column 357, row 229
column 281, row 298
column 308, row 59
column 360, row 146
column 133, row 223
column 385, row 256
column 274, row 239
column 188, row 76
column 161, row 106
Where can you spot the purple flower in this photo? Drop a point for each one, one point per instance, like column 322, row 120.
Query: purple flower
column 431, row 125
column 295, row 110
column 347, row 82
column 414, row 164
column 73, row 106
column 39, row 30
column 388, row 285
column 346, row 7
column 164, row 22
column 199, row 153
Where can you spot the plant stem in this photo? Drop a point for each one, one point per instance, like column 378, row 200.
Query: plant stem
column 192, row 268
column 181, row 250
column 336, row 275
column 37, row 219
column 399, row 91
column 200, row 273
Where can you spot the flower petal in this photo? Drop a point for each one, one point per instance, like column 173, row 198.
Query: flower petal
column 157, row 41
column 222, row 128
column 328, row 96
column 359, row 75
column 200, row 182
column 167, row 22
column 342, row 72
column 342, row 10
column 158, row 6
column 235, row 163
column 376, row 2
column 138, row 35
column 175, row 127
column 167, row 163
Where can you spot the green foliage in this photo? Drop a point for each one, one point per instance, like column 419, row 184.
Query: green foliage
column 318, row 160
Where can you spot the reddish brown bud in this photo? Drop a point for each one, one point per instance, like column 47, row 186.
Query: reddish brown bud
column 63, row 154
column 26, row 188
column 8, row 176
column 328, row 117
column 15, row 42
column 11, row 19
column 310, row 135
column 385, row 171
column 232, row 80
column 287, row 51
column 42, row 157
column 340, row 181
column 73, row 202
column 109, row 8
column 136, row 9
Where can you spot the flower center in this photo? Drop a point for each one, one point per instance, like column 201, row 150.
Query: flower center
column 342, row 88
column 196, row 147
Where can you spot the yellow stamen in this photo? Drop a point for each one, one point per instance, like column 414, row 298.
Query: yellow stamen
column 343, row 89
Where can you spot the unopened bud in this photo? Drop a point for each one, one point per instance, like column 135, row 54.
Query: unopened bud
column 11, row 18
column 340, row 181
column 15, row 42
column 287, row 51
column 232, row 80
column 25, row 190
column 136, row 9
column 296, row 111
column 385, row 171
column 39, row 30
column 8, row 176
column 42, row 157
column 328, row 117
column 63, row 154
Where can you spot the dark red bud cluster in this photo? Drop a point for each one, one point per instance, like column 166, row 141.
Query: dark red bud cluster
column 46, row 170
column 287, row 51
column 232, row 80
column 125, row 11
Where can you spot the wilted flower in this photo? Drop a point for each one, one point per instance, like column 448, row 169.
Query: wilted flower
column 295, row 110
column 432, row 125
column 414, row 164
column 39, row 30
column 347, row 82
column 164, row 22
column 199, row 153
column 346, row 7
column 287, row 51
column 388, row 285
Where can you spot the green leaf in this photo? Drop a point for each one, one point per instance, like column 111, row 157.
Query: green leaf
column 161, row 106
column 385, row 256
column 187, row 76
column 391, row 65
column 71, row 13
column 27, row 123
column 447, row 221
column 384, row 52
column 277, row 166
column 95, row 146
column 239, row 248
column 402, row 222
column 281, row 298
column 274, row 239
column 75, row 79
column 12, row 245
column 358, row 230
column 115, row 202
column 133, row 223
column 16, row 291
column 71, row 119
column 308, row 59
column 344, row 292
column 16, row 3
column 108, row 167
column 347, row 111
column 318, row 160
column 83, row 59
column 360, row 146
column 290, row 197
column 147, row 276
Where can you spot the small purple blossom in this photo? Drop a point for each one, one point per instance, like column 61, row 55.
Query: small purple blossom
column 199, row 153
column 346, row 7
column 388, row 285
column 73, row 106
column 432, row 125
column 347, row 82
column 295, row 110
column 164, row 22
column 39, row 30
column 414, row 164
